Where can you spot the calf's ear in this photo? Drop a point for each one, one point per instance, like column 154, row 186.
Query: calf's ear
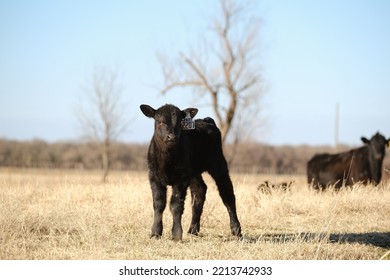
column 191, row 111
column 388, row 142
column 365, row 140
column 148, row 111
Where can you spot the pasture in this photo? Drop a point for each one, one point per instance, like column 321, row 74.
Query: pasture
column 63, row 214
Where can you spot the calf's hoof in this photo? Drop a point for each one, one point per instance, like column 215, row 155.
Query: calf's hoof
column 155, row 236
column 194, row 229
column 177, row 235
column 236, row 231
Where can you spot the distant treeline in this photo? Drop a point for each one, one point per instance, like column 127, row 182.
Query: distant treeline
column 244, row 157
column 74, row 155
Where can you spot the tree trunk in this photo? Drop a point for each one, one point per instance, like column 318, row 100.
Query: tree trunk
column 106, row 159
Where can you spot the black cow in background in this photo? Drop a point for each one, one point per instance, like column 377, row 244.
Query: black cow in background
column 177, row 156
column 363, row 165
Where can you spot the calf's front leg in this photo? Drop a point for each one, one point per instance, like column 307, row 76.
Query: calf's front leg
column 177, row 208
column 159, row 193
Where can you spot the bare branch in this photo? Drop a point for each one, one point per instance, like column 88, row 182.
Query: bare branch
column 105, row 119
column 248, row 84
column 232, row 74
column 203, row 80
column 180, row 84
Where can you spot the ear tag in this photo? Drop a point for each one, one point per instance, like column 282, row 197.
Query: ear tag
column 187, row 123
column 388, row 144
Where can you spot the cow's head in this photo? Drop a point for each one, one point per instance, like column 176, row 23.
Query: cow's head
column 167, row 122
column 377, row 145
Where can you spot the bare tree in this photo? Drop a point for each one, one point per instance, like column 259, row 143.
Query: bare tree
column 225, row 66
column 104, row 119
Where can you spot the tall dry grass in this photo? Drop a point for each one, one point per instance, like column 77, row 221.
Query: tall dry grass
column 56, row 214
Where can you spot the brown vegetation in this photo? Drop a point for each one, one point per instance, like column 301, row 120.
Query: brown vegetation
column 70, row 214
column 70, row 155
column 243, row 158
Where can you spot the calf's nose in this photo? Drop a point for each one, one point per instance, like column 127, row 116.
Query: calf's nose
column 171, row 137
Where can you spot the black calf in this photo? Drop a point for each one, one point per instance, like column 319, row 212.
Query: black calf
column 178, row 154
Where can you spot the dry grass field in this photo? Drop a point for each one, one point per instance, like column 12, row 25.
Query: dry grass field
column 59, row 214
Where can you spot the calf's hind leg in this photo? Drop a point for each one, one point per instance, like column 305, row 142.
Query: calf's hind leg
column 220, row 174
column 198, row 195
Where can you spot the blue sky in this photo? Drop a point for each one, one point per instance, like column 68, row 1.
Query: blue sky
column 314, row 54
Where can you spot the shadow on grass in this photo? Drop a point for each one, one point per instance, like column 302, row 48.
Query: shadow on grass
column 378, row 239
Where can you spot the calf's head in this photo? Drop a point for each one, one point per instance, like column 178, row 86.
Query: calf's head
column 167, row 122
